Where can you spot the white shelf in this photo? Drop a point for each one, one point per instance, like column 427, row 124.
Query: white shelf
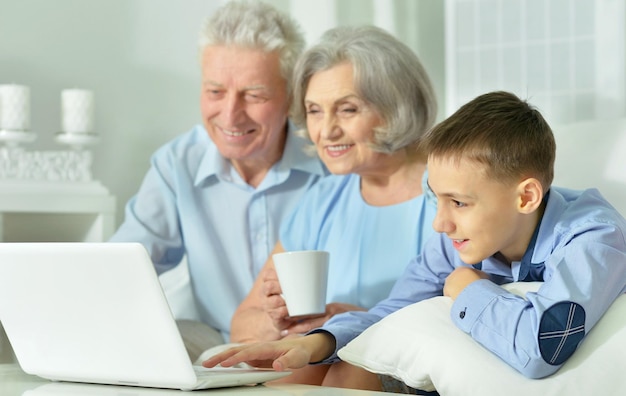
column 54, row 208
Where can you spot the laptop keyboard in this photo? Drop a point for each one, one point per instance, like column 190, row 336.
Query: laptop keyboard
column 231, row 376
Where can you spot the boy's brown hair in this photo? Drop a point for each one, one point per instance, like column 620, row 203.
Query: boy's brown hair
column 501, row 131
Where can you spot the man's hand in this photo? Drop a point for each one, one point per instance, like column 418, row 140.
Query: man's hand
column 263, row 315
column 276, row 308
column 459, row 279
column 273, row 303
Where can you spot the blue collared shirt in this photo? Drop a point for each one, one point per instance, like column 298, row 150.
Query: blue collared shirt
column 193, row 202
column 579, row 252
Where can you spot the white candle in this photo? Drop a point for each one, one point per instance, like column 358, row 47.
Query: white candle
column 14, row 107
column 77, row 111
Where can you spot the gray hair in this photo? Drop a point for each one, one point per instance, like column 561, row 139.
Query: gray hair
column 387, row 74
column 255, row 25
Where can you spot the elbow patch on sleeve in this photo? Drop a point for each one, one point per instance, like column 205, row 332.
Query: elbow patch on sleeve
column 561, row 329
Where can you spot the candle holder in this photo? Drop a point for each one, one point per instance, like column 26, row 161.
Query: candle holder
column 73, row 165
column 14, row 138
column 18, row 164
column 77, row 141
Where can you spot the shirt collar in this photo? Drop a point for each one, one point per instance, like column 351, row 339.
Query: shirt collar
column 532, row 264
column 555, row 206
column 213, row 164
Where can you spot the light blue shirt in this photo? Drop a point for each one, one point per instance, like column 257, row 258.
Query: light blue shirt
column 193, row 202
column 369, row 245
column 578, row 251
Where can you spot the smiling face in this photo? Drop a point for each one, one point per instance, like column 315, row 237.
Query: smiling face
column 244, row 104
column 340, row 123
column 482, row 216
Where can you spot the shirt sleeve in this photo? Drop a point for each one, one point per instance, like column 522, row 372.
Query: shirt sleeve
column 584, row 275
column 151, row 216
column 423, row 278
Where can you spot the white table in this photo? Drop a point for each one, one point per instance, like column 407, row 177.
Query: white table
column 14, row 382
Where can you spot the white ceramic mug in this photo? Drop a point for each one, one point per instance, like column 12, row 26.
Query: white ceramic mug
column 303, row 277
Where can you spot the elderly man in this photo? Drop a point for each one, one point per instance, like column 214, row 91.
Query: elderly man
column 218, row 193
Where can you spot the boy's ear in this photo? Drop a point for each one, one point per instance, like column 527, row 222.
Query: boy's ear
column 530, row 193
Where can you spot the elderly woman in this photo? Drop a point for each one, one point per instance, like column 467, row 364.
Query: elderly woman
column 366, row 100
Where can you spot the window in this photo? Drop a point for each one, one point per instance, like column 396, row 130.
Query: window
column 565, row 56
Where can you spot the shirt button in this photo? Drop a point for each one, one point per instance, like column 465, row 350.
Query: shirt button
column 462, row 314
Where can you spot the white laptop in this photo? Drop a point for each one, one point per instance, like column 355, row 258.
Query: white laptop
column 96, row 313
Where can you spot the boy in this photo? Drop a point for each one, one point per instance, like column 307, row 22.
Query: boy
column 499, row 220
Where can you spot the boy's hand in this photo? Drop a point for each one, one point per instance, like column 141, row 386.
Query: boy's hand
column 286, row 354
column 459, row 279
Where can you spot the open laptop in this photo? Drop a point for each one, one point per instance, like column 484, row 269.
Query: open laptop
column 96, row 313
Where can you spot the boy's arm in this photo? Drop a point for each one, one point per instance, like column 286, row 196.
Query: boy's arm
column 536, row 336
column 423, row 278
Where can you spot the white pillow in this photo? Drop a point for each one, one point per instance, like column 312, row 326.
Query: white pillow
column 420, row 346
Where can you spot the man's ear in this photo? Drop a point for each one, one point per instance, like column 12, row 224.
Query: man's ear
column 530, row 193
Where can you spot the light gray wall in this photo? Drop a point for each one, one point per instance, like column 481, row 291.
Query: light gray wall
column 139, row 57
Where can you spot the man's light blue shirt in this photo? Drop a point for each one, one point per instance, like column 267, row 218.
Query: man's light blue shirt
column 193, row 202
column 578, row 251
